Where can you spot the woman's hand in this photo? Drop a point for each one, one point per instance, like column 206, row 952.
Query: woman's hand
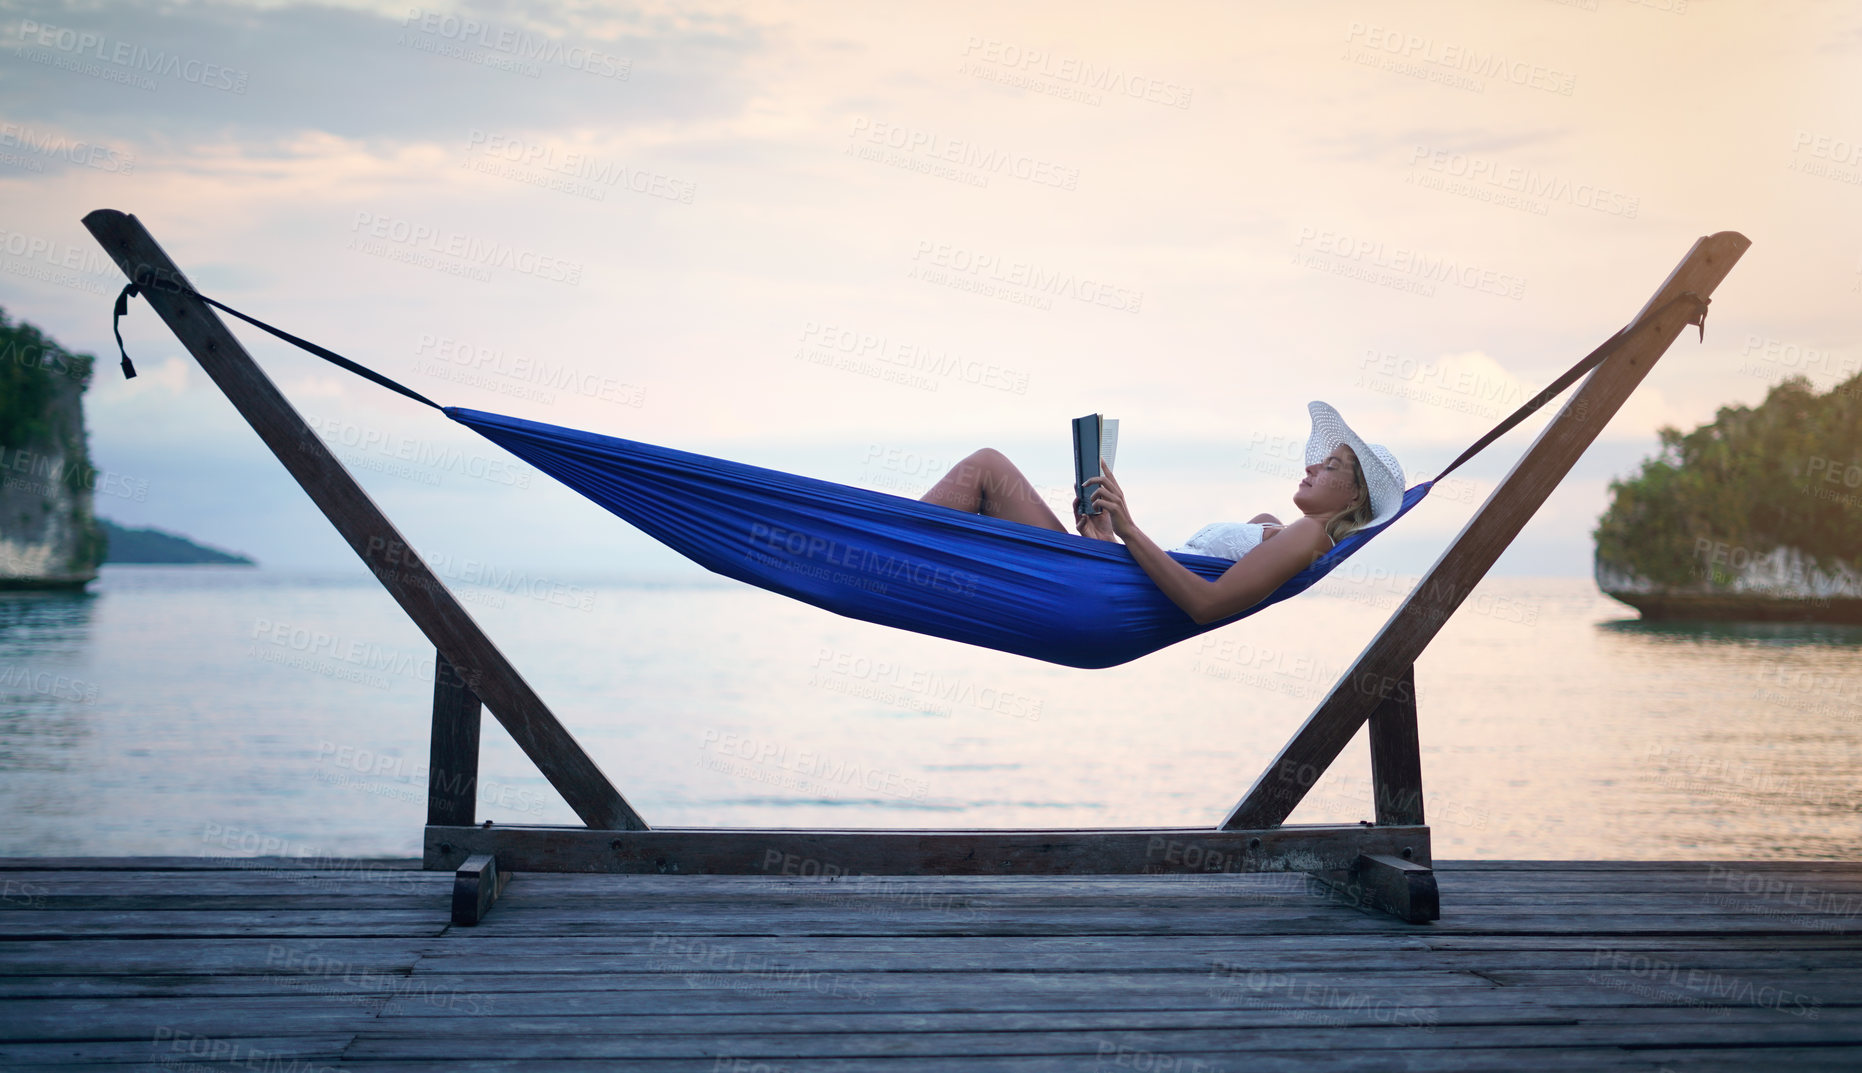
column 1111, row 502
column 1097, row 526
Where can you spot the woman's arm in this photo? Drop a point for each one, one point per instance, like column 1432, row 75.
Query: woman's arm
column 1252, row 579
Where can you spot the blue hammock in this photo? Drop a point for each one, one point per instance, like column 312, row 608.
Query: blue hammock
column 884, row 558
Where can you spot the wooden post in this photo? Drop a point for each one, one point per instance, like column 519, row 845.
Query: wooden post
column 1396, row 755
column 1377, row 672
column 381, row 547
column 452, row 756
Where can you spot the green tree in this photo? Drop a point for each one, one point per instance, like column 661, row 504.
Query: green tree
column 1787, row 473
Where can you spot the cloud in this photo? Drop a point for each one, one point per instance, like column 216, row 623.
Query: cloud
column 158, row 74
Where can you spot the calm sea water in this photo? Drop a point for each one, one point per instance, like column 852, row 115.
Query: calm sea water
column 208, row 710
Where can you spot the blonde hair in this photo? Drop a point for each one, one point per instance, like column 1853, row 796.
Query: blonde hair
column 1347, row 522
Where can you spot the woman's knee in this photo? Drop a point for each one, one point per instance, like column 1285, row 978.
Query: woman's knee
column 986, row 462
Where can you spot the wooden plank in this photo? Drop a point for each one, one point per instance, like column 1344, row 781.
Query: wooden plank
column 780, row 852
column 159, row 924
column 387, row 554
column 452, row 753
column 1396, row 755
column 1409, row 1058
column 278, row 1054
column 1374, row 675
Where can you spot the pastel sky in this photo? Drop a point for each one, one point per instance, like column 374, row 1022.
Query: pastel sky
column 860, row 240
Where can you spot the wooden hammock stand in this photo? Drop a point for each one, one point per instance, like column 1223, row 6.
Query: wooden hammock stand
column 1384, row 865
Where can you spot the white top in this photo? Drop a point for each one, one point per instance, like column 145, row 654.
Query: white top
column 1228, row 540
column 1224, row 540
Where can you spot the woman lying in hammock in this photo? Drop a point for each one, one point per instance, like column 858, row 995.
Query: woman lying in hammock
column 1349, row 485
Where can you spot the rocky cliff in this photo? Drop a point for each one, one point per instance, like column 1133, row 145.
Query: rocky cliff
column 48, row 536
column 1779, row 585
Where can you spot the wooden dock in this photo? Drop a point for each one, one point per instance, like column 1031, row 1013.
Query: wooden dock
column 294, row 965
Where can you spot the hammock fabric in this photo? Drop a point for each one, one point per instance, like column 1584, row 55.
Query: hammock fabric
column 883, row 558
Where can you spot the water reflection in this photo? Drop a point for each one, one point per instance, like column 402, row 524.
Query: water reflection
column 1821, row 634
column 45, row 691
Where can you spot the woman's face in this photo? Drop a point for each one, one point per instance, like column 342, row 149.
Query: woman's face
column 1331, row 486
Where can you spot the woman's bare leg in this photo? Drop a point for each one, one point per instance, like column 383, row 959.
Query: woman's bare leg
column 988, row 483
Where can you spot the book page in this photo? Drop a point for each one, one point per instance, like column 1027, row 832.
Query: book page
column 1108, row 441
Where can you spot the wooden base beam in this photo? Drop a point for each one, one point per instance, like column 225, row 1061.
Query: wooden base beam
column 803, row 852
column 476, row 886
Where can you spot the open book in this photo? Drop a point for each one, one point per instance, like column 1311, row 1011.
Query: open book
column 1095, row 436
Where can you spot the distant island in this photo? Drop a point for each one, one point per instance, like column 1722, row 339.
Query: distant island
column 150, row 546
column 49, row 536
column 1755, row 516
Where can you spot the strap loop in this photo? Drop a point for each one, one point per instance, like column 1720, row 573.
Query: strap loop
column 130, row 290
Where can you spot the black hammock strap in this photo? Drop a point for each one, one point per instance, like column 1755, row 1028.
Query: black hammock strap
column 129, row 370
column 1584, row 365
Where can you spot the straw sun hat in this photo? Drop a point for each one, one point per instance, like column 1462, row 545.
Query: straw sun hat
column 1383, row 475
